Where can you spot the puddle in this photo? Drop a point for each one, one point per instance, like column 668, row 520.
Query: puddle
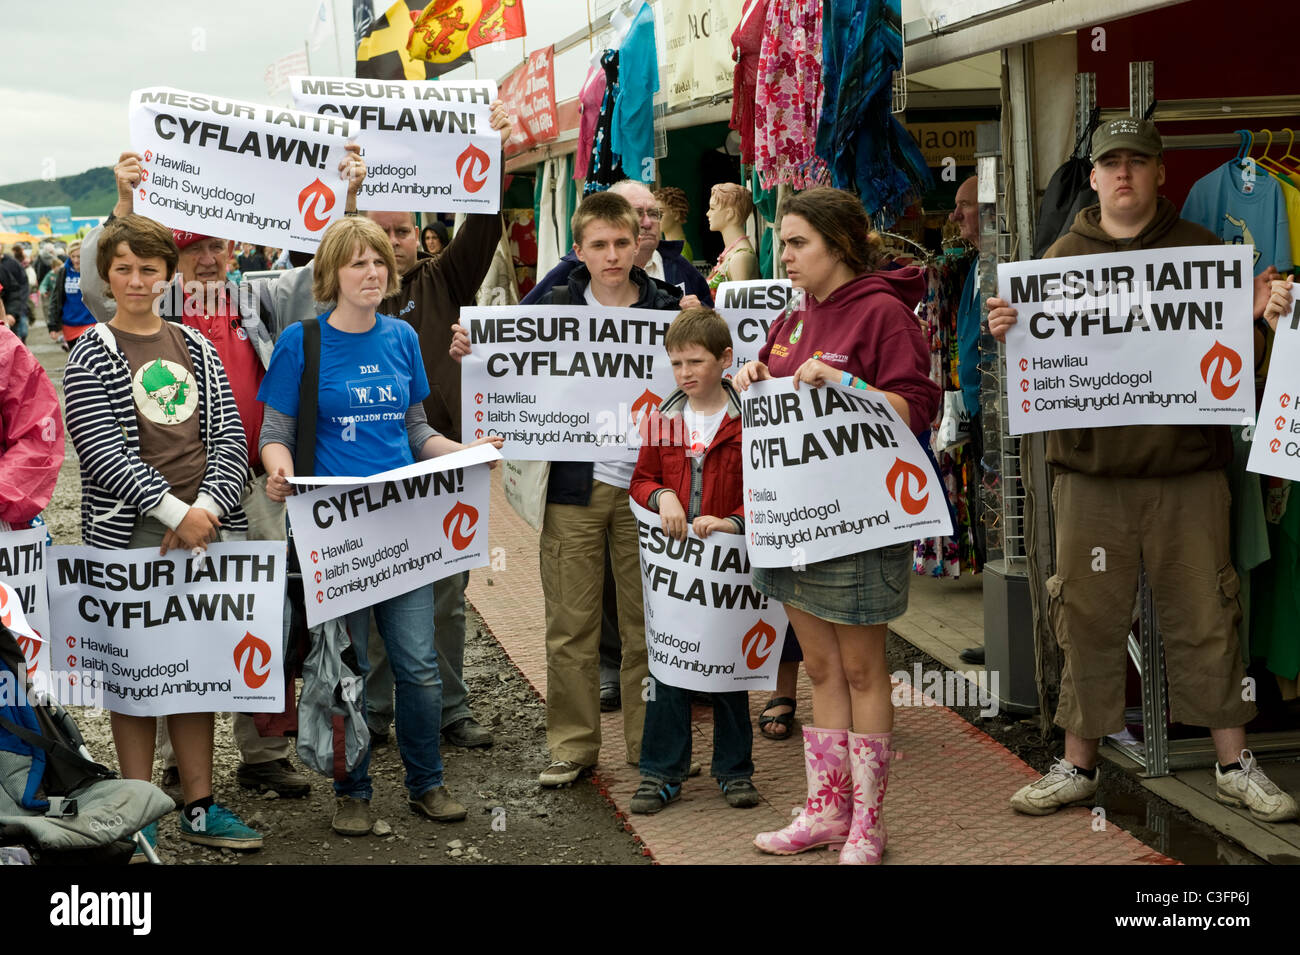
column 1158, row 824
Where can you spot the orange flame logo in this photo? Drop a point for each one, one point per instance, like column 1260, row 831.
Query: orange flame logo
column 472, row 166
column 757, row 644
column 314, row 202
column 460, row 525
column 253, row 660
column 645, row 404
column 899, row 483
column 1225, row 364
column 29, row 647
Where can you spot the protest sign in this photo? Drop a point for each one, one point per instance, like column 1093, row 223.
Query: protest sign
column 563, row 382
column 832, row 471
column 173, row 634
column 751, row 308
column 706, row 627
column 22, row 567
column 528, row 93
column 238, row 170
column 426, row 144
column 1159, row 336
column 362, row 540
column 1275, row 446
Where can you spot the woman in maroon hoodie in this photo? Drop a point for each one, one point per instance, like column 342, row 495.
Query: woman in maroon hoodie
column 857, row 325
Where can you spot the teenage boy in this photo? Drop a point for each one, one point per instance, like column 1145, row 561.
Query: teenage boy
column 1150, row 493
column 689, row 470
column 163, row 464
column 586, row 506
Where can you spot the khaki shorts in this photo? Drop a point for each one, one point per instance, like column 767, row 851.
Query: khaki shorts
column 1177, row 527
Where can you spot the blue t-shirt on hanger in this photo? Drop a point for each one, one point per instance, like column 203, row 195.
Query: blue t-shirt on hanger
column 367, row 382
column 1243, row 207
column 632, row 132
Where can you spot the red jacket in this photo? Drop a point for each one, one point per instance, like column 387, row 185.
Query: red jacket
column 662, row 463
column 31, row 433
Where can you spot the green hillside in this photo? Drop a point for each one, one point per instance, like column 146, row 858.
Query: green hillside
column 90, row 193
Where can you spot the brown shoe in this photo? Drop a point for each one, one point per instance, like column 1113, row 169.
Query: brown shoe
column 438, row 805
column 351, row 816
column 277, row 775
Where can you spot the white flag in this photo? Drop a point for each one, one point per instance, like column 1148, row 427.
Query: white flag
column 322, row 25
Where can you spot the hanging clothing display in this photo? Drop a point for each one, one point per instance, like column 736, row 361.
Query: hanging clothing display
column 1243, row 205
column 788, row 98
column 746, row 45
column 590, row 97
column 632, row 134
column 604, row 168
column 946, row 279
column 867, row 149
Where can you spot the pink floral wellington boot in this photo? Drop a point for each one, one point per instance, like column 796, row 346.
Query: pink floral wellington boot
column 824, row 820
column 869, row 756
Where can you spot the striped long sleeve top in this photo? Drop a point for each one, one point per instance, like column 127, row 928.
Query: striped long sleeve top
column 116, row 485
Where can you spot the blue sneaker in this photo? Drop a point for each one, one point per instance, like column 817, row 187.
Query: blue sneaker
column 150, row 833
column 652, row 795
column 220, row 828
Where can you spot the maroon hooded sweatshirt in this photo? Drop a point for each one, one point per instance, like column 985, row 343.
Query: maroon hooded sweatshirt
column 867, row 327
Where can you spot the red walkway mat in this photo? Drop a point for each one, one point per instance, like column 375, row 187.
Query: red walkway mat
column 948, row 788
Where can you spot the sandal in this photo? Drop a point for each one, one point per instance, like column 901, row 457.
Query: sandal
column 783, row 721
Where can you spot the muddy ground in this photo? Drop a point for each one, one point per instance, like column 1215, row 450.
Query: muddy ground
column 511, row 818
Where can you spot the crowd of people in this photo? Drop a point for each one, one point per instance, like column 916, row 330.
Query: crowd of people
column 190, row 416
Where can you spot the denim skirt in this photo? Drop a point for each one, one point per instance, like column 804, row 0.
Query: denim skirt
column 862, row 589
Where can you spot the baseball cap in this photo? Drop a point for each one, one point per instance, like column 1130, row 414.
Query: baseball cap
column 1139, row 135
column 186, row 239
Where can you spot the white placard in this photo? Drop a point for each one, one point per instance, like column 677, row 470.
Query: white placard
column 563, row 382
column 172, row 634
column 751, row 308
column 1275, row 446
column 832, row 471
column 359, row 544
column 706, row 627
column 237, row 170
column 427, row 145
column 22, row 567
column 1159, row 336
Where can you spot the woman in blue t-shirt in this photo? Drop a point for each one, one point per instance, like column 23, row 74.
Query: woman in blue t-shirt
column 369, row 419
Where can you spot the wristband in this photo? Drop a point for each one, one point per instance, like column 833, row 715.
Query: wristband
column 860, row 384
column 847, row 379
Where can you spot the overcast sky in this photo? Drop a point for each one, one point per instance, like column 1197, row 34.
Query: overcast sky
column 69, row 69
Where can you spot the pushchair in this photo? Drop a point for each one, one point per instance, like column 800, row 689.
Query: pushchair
column 56, row 802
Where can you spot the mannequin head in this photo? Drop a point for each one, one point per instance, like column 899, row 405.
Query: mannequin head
column 729, row 204
column 675, row 208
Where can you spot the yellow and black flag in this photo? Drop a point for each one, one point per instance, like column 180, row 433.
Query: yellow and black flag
column 448, row 29
column 382, row 54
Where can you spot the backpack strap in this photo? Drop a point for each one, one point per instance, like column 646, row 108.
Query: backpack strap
column 304, row 457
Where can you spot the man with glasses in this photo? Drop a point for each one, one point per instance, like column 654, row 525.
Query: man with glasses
column 660, row 258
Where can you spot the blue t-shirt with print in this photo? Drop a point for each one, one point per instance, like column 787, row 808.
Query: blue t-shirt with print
column 1247, row 209
column 368, row 380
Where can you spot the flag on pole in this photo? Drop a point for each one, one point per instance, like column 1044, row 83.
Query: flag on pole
column 322, row 26
column 449, row 29
column 382, row 55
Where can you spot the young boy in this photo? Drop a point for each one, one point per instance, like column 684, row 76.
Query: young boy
column 163, row 464
column 689, row 470
column 586, row 505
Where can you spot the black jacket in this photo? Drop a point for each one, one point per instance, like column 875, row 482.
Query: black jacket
column 14, row 279
column 570, row 481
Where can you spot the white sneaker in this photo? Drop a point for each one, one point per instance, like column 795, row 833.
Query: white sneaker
column 561, row 772
column 1063, row 785
column 1249, row 788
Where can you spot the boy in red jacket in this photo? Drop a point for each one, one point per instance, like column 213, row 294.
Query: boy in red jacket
column 689, row 470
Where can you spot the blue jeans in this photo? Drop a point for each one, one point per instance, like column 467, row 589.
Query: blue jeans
column 20, row 326
column 666, row 742
column 406, row 626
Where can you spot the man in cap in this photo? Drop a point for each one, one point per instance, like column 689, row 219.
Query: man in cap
column 1150, row 494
